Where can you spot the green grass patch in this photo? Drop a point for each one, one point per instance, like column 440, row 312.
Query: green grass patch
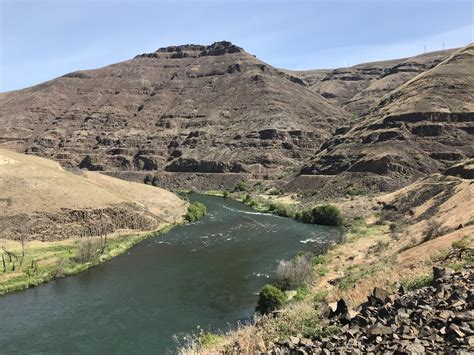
column 320, row 296
column 208, row 339
column 301, row 293
column 217, row 193
column 417, row 282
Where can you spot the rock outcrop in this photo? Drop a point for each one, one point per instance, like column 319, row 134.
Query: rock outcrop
column 424, row 126
column 434, row 319
column 360, row 87
column 189, row 108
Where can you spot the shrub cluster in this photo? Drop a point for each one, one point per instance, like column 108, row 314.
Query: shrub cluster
column 196, row 210
column 270, row 299
column 325, row 214
column 88, row 251
column 241, row 186
column 295, row 273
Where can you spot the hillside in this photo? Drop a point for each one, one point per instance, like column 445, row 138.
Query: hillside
column 361, row 86
column 200, row 117
column 42, row 200
column 190, row 108
column 422, row 127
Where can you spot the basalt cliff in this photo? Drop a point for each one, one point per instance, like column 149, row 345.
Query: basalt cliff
column 195, row 115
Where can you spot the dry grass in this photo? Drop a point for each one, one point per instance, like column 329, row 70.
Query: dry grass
column 29, row 184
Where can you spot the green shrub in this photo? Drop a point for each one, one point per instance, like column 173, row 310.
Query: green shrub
column 225, row 194
column 354, row 191
column 327, row 215
column 248, row 199
column 270, row 299
column 284, row 211
column 318, row 260
column 196, row 210
column 241, row 186
column 321, row 271
column 307, row 216
column 393, row 227
column 272, row 207
column 461, row 243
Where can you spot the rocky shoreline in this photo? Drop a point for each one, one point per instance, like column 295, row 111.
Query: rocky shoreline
column 434, row 319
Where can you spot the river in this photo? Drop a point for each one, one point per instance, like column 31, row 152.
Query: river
column 207, row 273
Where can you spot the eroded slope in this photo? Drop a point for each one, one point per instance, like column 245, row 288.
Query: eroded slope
column 422, row 127
column 191, row 108
column 40, row 200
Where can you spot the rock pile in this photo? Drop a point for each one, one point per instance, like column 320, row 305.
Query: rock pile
column 434, row 319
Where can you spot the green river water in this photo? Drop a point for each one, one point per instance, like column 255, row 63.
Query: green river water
column 207, row 273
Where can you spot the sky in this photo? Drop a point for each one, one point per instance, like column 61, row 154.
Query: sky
column 44, row 39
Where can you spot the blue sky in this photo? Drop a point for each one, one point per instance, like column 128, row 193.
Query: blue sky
column 41, row 40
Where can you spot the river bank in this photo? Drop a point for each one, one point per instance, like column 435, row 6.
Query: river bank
column 391, row 239
column 205, row 273
column 45, row 261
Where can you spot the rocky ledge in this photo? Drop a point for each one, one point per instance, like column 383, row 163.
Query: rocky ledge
column 434, row 319
column 195, row 50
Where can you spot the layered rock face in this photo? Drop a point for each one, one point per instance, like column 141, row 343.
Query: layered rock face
column 424, row 126
column 216, row 109
column 191, row 108
column 359, row 87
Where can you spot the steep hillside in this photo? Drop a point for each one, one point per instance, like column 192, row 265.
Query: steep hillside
column 43, row 201
column 422, row 127
column 359, row 87
column 191, row 108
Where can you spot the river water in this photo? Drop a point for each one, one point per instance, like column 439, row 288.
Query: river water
column 207, row 273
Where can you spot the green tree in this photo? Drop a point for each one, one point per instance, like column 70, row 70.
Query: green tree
column 241, row 186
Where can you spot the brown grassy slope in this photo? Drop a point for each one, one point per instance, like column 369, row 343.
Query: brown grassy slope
column 424, row 126
column 63, row 204
column 381, row 257
column 186, row 108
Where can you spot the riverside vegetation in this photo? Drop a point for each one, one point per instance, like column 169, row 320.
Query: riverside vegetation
column 382, row 247
column 29, row 264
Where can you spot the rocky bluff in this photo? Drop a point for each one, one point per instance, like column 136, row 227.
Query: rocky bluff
column 190, row 108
